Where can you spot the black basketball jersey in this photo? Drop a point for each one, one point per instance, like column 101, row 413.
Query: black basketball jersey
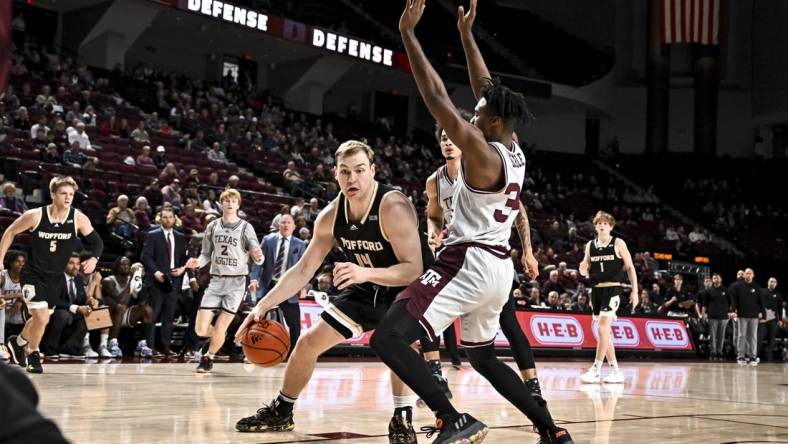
column 606, row 265
column 363, row 241
column 51, row 245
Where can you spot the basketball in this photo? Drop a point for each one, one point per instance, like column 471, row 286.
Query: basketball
column 266, row 343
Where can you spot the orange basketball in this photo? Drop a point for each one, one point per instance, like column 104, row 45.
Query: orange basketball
column 266, row 343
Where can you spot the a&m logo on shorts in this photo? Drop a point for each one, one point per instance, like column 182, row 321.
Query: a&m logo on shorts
column 431, row 277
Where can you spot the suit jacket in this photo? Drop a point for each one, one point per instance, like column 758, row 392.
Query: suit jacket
column 81, row 297
column 155, row 256
column 264, row 273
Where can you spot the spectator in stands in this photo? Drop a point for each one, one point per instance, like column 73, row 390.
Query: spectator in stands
column 144, row 159
column 553, row 301
column 747, row 305
column 651, row 263
column 190, row 220
column 582, row 304
column 142, row 214
column 773, row 307
column 674, row 294
column 172, row 194
column 305, row 235
column 211, row 204
column 140, row 135
column 292, row 176
column 22, row 119
column 552, row 284
column 121, row 218
column 160, row 158
column 74, row 112
column 152, row 194
column 324, row 283
column 284, row 209
column 565, row 302
column 41, row 140
column 120, row 291
column 311, row 211
column 198, row 143
column 123, row 131
column 51, row 155
column 715, row 307
column 76, row 158
column 647, row 306
column 213, row 180
column 164, row 256
column 671, row 234
column 42, row 124
column 80, row 136
column 168, row 173
column 216, row 154
column 568, row 279
column 60, row 133
column 191, row 195
column 45, row 97
column 233, row 181
column 10, row 202
column 71, row 308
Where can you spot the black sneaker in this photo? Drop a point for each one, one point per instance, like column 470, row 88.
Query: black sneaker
column 560, row 436
column 443, row 384
column 205, row 365
column 535, row 390
column 456, row 363
column 16, row 351
column 401, row 431
column 34, row 363
column 456, row 429
column 267, row 419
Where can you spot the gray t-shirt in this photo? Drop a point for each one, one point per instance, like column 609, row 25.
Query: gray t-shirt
column 227, row 247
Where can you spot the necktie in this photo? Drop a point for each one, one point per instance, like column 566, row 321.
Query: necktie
column 169, row 247
column 71, row 290
column 280, row 258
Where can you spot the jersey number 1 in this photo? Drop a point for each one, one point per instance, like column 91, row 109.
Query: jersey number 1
column 512, row 204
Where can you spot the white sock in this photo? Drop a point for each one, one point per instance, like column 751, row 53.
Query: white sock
column 402, row 401
column 20, row 341
column 104, row 338
column 86, row 340
column 597, row 366
column 614, row 365
column 210, row 355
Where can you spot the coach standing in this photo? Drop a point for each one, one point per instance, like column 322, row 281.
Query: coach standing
column 164, row 257
column 281, row 250
column 747, row 305
column 715, row 306
column 773, row 307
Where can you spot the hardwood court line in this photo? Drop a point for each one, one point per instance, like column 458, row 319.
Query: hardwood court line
column 636, row 395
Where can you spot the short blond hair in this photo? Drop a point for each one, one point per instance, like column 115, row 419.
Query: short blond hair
column 601, row 216
column 58, row 182
column 8, row 186
column 230, row 193
column 352, row 147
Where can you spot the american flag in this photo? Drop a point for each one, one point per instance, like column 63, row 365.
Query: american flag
column 690, row 21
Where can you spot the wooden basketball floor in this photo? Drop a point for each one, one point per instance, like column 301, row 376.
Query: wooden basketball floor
column 350, row 402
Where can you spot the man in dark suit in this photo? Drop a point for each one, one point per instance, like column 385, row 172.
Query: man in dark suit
column 70, row 310
column 164, row 257
column 281, row 250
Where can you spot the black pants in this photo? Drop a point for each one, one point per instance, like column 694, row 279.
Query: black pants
column 164, row 306
column 518, row 342
column 767, row 331
column 292, row 314
column 63, row 321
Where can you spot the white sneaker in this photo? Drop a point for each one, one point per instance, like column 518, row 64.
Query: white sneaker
column 755, row 362
column 4, row 355
column 614, row 378
column 114, row 349
column 89, row 352
column 592, row 376
column 143, row 350
column 104, row 352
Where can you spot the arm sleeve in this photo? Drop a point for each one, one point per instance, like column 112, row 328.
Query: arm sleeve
column 94, row 243
column 207, row 246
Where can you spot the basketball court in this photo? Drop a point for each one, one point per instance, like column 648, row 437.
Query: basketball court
column 350, row 402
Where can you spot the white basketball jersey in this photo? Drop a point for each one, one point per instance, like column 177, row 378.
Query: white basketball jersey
column 487, row 216
column 445, row 193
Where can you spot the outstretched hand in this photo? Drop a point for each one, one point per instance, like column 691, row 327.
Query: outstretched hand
column 411, row 15
column 465, row 20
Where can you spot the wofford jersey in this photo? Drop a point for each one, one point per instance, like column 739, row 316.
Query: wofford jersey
column 606, row 265
column 445, row 188
column 487, row 216
column 51, row 244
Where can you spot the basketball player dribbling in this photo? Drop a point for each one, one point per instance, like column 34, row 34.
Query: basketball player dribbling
column 606, row 259
column 472, row 275
column 54, row 229
column 226, row 245
column 440, row 192
column 377, row 227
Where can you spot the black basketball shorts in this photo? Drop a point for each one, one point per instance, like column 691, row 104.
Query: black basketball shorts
column 357, row 310
column 605, row 300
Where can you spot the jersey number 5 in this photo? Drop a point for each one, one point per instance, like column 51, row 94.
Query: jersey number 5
column 52, row 246
column 512, row 204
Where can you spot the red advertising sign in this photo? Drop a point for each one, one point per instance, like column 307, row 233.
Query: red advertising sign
column 568, row 330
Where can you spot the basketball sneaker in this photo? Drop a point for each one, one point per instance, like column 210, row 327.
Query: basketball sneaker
column 267, row 419
column 34, row 363
column 143, row 351
column 89, row 353
column 104, row 352
column 443, row 384
column 457, row 429
column 592, row 376
column 401, row 431
column 114, row 348
column 741, row 361
column 616, row 377
column 755, row 361
column 4, row 355
column 16, row 351
column 560, row 436
column 205, row 365
column 534, row 389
